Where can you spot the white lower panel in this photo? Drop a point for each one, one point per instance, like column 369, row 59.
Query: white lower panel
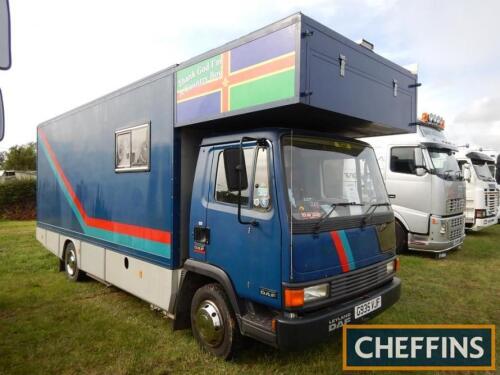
column 40, row 235
column 92, row 259
column 52, row 242
column 147, row 281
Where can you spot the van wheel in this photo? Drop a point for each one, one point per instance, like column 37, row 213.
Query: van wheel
column 213, row 322
column 71, row 263
column 401, row 239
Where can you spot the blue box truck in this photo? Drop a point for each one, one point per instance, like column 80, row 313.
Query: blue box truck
column 230, row 191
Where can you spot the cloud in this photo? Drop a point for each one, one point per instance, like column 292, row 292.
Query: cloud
column 479, row 124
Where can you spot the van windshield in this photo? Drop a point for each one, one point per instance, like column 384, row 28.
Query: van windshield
column 331, row 177
column 444, row 163
column 482, row 170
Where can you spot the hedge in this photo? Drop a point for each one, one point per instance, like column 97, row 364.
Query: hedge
column 18, row 199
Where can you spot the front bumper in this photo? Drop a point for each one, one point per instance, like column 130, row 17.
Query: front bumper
column 319, row 325
column 480, row 224
column 426, row 244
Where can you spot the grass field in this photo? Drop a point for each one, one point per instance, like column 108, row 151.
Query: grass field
column 51, row 326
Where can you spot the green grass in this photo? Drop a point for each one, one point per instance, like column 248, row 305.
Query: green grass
column 51, row 326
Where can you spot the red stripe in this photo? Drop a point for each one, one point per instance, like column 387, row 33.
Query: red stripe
column 340, row 251
column 112, row 226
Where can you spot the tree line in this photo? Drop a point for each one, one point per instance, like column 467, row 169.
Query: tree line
column 19, row 158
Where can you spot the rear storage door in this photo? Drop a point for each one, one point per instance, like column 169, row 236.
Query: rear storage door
column 367, row 86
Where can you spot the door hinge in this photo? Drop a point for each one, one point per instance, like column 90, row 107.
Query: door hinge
column 342, row 62
column 304, row 94
column 307, row 33
column 395, row 87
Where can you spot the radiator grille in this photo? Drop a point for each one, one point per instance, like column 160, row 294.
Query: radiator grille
column 455, row 206
column 491, row 201
column 456, row 227
column 355, row 283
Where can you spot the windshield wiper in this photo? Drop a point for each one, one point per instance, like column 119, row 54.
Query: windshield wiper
column 369, row 214
column 327, row 215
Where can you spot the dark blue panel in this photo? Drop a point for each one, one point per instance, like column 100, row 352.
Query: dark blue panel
column 204, row 106
column 265, row 48
column 83, row 143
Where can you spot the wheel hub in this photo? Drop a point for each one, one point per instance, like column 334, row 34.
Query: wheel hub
column 71, row 262
column 209, row 323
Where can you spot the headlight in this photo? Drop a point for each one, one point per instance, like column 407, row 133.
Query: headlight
column 443, row 228
column 393, row 266
column 316, row 292
column 480, row 214
column 390, row 267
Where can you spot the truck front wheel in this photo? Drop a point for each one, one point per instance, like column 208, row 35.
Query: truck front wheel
column 213, row 322
column 401, row 238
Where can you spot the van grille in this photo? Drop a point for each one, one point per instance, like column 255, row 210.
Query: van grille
column 456, row 227
column 455, row 206
column 491, row 202
column 356, row 282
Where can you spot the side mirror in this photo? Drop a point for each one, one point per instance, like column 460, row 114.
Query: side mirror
column 5, row 51
column 232, row 159
column 467, row 173
column 420, row 171
column 2, row 117
column 420, row 168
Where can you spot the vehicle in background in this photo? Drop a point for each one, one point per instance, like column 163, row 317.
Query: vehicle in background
column 425, row 186
column 495, row 171
column 230, row 191
column 481, row 189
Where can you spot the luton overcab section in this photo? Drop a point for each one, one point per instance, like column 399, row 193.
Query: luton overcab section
column 230, row 190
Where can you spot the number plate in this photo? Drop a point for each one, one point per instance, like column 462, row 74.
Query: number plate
column 457, row 242
column 367, row 307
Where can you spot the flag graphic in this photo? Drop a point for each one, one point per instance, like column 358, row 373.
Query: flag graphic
column 258, row 72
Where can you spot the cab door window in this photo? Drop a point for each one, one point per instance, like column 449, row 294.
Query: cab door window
column 403, row 160
column 222, row 193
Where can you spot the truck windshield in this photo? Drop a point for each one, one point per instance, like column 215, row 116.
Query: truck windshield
column 332, row 177
column 482, row 170
column 444, row 163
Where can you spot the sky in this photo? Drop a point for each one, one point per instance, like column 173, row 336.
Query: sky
column 66, row 53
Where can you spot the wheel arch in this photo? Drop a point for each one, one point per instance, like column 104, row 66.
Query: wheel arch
column 400, row 219
column 194, row 275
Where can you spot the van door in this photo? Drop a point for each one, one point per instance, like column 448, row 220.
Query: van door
column 250, row 255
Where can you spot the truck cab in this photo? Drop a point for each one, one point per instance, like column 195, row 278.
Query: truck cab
column 425, row 187
column 310, row 205
column 482, row 191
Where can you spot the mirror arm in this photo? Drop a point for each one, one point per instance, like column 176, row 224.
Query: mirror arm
column 254, row 222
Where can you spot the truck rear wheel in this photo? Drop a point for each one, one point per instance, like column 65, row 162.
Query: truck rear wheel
column 401, row 239
column 71, row 263
column 213, row 322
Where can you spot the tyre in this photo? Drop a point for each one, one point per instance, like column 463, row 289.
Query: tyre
column 71, row 263
column 401, row 239
column 213, row 322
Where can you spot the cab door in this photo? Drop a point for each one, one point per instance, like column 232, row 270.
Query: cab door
column 409, row 192
column 249, row 254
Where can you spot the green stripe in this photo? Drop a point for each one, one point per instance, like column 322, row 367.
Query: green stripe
column 264, row 90
column 347, row 249
column 152, row 247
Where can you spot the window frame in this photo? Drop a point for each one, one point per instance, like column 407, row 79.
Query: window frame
column 129, row 130
column 269, row 179
column 251, row 179
column 390, row 159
